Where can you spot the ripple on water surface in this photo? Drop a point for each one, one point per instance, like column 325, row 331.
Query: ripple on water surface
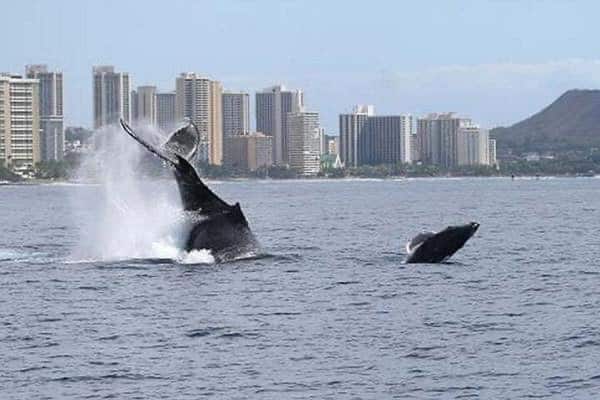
column 328, row 310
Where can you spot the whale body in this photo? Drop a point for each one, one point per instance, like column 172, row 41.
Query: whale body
column 213, row 224
column 432, row 247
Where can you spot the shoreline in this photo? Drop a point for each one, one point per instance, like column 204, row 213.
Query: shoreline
column 33, row 182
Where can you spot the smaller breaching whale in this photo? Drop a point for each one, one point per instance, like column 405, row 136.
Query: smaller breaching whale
column 213, row 224
column 432, row 247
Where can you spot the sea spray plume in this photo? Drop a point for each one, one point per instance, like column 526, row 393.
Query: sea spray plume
column 132, row 217
column 215, row 225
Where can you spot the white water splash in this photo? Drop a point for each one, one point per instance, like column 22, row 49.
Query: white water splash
column 168, row 249
column 135, row 215
column 202, row 256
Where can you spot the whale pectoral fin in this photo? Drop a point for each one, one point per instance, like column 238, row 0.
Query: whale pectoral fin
column 418, row 240
column 195, row 195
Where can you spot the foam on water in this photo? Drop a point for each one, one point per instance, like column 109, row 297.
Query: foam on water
column 167, row 248
column 8, row 254
column 202, row 256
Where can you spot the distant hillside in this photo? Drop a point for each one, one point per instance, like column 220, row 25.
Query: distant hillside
column 572, row 122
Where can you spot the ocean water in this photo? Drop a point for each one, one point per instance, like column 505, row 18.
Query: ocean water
column 99, row 305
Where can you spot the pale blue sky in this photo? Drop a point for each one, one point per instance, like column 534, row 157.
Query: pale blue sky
column 494, row 61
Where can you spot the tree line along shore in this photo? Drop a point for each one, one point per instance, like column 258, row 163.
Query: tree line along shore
column 69, row 169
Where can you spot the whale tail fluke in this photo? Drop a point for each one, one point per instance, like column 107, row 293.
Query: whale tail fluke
column 185, row 141
column 163, row 155
column 195, row 195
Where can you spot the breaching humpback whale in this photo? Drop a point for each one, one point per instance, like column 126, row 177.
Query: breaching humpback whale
column 431, row 247
column 215, row 225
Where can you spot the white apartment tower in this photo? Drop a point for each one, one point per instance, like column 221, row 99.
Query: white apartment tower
column 304, row 142
column 272, row 107
column 52, row 138
column 19, row 122
column 112, row 96
column 236, row 114
column 473, row 146
column 200, row 99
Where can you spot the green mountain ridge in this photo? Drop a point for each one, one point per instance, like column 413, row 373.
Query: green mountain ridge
column 570, row 123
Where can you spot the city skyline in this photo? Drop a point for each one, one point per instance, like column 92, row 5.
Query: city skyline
column 513, row 55
column 296, row 137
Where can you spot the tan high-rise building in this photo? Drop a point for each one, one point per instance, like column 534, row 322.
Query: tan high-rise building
column 200, row 99
column 215, row 145
column 249, row 151
column 143, row 101
column 52, row 138
column 4, row 120
column 112, row 96
column 19, row 122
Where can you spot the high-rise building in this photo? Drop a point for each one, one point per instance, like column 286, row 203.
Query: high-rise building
column 437, row 138
column 272, row 107
column 323, row 141
column 369, row 139
column 414, row 148
column 200, row 99
column 112, row 96
column 165, row 111
column 472, row 146
column 19, row 122
column 351, row 128
column 386, row 140
column 304, row 143
column 52, row 137
column 492, row 156
column 248, row 151
column 143, row 105
column 449, row 141
column 236, row 114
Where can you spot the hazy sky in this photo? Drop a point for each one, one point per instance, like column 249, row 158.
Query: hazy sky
column 494, row 61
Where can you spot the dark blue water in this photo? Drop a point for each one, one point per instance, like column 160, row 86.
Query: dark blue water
column 329, row 312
